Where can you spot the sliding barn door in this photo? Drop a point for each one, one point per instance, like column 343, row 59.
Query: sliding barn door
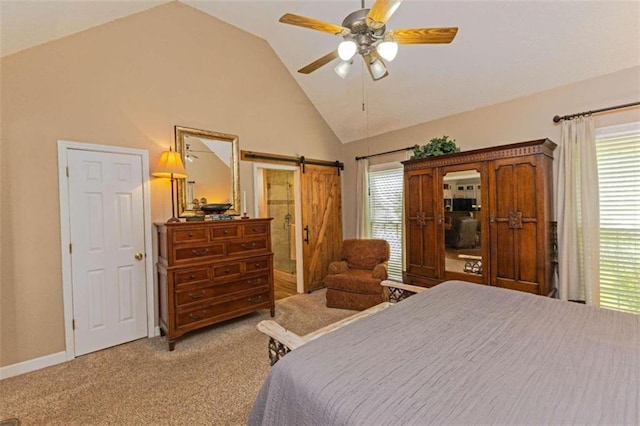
column 322, row 222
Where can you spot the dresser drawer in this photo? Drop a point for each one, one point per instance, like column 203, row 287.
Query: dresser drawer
column 228, row 270
column 225, row 232
column 198, row 253
column 208, row 311
column 249, row 230
column 248, row 245
column 191, row 235
column 226, row 290
column 191, row 276
column 257, row 264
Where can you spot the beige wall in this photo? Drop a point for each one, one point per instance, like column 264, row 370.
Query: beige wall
column 518, row 120
column 126, row 83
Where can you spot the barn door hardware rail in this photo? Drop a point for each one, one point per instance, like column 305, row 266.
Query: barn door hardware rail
column 302, row 160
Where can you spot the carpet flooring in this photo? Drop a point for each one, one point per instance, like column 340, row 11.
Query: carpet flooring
column 212, row 376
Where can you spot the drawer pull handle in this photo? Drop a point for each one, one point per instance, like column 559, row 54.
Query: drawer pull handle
column 200, row 252
column 256, row 281
column 248, row 246
column 196, row 317
column 192, row 276
column 258, row 264
column 226, row 271
column 255, row 230
column 190, row 234
column 197, row 296
column 226, row 231
column 255, row 299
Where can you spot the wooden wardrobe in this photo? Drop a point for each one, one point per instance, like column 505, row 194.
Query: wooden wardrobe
column 502, row 194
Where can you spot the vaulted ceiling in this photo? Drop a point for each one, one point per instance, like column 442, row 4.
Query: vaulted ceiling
column 503, row 50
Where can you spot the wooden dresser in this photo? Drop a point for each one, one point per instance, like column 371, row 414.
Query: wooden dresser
column 212, row 271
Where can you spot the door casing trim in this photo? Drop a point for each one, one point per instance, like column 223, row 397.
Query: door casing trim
column 297, row 188
column 65, row 231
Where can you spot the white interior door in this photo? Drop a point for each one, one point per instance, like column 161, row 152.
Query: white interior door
column 106, row 215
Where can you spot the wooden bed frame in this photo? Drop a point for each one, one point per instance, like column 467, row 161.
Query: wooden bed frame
column 283, row 341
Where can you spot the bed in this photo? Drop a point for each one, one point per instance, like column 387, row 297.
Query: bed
column 463, row 353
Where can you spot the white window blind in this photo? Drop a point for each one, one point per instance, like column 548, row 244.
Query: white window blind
column 385, row 212
column 618, row 151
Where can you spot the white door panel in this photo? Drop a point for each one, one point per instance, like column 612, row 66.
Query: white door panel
column 107, row 230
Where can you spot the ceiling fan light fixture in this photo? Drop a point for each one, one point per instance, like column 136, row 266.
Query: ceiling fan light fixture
column 388, row 50
column 347, row 49
column 377, row 69
column 343, row 68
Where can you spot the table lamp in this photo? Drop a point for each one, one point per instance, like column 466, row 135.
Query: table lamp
column 170, row 166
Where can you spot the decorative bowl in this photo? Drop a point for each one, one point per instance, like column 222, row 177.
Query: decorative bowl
column 215, row 208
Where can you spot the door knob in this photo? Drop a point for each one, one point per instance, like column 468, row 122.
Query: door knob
column 138, row 256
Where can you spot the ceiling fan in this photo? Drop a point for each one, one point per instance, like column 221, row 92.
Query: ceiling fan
column 364, row 32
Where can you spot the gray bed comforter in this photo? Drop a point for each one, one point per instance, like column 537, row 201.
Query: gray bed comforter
column 463, row 354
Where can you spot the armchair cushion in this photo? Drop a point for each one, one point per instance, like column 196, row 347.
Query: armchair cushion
column 354, row 281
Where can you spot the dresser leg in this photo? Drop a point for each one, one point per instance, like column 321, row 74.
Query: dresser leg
column 273, row 311
column 172, row 344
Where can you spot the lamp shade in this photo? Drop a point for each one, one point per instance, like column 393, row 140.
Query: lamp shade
column 347, row 49
column 388, row 50
column 170, row 166
column 377, row 69
column 343, row 68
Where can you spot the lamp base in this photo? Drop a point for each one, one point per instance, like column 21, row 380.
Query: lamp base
column 173, row 220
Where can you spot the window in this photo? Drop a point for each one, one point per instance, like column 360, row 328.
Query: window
column 385, row 212
column 618, row 151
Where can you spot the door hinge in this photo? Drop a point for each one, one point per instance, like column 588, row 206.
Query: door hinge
column 73, row 324
column 70, row 248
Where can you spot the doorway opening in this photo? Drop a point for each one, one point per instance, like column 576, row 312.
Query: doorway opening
column 276, row 190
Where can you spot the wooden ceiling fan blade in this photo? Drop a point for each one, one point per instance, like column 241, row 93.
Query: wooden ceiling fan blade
column 423, row 35
column 319, row 62
column 314, row 24
column 368, row 59
column 381, row 11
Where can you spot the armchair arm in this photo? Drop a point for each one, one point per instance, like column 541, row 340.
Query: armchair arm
column 380, row 272
column 338, row 267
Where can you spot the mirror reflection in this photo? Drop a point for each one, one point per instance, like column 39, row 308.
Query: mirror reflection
column 211, row 163
column 462, row 218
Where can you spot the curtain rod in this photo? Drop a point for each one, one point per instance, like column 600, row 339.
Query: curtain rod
column 385, row 153
column 557, row 118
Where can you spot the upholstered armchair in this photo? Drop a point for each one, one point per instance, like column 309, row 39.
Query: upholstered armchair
column 354, row 282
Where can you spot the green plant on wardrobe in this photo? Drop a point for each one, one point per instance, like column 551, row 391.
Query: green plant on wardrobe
column 436, row 146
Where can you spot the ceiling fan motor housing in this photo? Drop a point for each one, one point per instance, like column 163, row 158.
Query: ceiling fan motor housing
column 363, row 35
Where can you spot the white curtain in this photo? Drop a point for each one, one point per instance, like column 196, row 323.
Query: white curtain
column 362, row 199
column 578, row 213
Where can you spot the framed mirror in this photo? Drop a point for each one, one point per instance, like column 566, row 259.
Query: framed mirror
column 211, row 160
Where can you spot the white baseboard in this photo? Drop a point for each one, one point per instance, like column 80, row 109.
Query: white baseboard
column 32, row 365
